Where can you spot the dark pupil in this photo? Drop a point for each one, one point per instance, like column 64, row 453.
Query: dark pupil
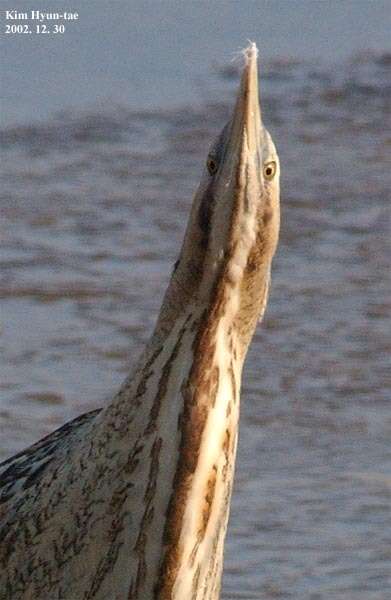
column 268, row 171
column 212, row 165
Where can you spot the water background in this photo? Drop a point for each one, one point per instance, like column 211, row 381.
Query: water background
column 103, row 137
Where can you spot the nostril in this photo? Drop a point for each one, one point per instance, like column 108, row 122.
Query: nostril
column 211, row 165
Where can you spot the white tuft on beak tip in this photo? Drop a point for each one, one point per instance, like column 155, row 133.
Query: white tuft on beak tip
column 250, row 52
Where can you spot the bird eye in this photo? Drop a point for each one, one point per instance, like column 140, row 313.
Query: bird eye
column 269, row 170
column 211, row 165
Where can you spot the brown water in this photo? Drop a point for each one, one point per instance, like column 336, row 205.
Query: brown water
column 94, row 206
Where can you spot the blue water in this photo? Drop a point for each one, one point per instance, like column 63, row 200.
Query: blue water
column 160, row 53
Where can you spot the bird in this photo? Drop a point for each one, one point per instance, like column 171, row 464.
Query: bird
column 131, row 501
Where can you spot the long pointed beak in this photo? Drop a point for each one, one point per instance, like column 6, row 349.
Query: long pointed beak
column 247, row 122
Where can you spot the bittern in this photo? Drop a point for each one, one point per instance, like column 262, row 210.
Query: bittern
column 132, row 501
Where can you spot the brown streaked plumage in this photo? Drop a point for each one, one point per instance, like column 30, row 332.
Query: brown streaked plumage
column 131, row 502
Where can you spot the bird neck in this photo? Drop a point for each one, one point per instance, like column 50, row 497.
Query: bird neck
column 198, row 509
column 199, row 504
column 176, row 417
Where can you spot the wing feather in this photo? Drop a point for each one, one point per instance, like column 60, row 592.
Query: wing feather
column 21, row 471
